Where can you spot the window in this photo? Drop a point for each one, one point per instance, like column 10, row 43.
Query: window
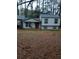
column 46, row 21
column 27, row 24
column 56, row 21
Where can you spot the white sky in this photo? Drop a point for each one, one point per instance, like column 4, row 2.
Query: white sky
column 34, row 4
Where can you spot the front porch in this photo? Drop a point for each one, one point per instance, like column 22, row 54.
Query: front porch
column 31, row 24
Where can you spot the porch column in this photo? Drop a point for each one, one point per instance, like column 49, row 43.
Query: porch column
column 24, row 25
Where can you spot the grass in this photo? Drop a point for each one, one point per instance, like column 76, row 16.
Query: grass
column 41, row 29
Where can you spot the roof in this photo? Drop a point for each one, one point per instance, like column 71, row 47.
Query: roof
column 48, row 16
column 21, row 17
column 32, row 20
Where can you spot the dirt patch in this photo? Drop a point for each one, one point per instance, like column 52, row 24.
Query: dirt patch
column 38, row 44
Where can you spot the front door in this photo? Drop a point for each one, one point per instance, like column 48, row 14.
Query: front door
column 37, row 25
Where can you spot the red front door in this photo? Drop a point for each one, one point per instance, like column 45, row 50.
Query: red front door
column 37, row 25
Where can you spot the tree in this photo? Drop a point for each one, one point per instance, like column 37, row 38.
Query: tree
column 17, row 9
column 25, row 12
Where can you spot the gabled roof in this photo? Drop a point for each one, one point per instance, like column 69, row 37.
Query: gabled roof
column 48, row 16
column 31, row 20
column 21, row 17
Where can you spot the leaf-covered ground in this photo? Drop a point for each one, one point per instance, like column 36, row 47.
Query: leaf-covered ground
column 38, row 44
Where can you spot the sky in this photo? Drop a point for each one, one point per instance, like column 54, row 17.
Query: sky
column 34, row 4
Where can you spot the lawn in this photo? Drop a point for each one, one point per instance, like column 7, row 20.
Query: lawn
column 38, row 44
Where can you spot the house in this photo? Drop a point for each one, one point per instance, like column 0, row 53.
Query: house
column 20, row 20
column 49, row 21
column 26, row 23
column 31, row 24
column 46, row 21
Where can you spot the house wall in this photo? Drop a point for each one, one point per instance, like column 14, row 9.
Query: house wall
column 31, row 24
column 50, row 24
column 24, row 25
column 57, row 27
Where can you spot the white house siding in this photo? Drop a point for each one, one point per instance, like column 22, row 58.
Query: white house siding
column 50, row 24
column 57, row 27
column 24, row 26
column 33, row 25
column 49, row 27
